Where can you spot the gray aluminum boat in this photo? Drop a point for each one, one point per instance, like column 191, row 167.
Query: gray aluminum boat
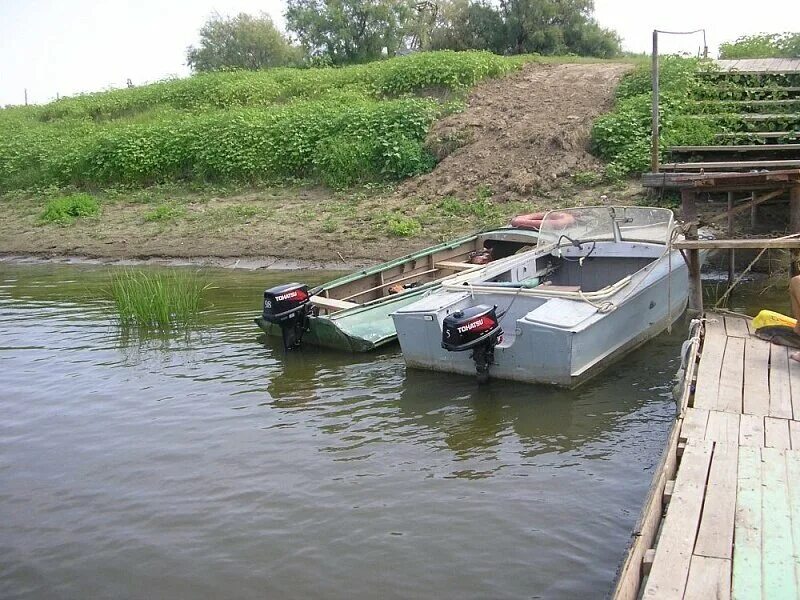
column 601, row 281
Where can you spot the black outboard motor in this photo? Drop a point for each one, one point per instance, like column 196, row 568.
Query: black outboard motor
column 288, row 307
column 478, row 329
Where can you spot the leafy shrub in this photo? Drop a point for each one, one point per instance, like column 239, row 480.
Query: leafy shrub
column 402, row 226
column 765, row 45
column 444, row 69
column 587, row 178
column 66, row 209
column 343, row 161
column 623, row 137
column 165, row 212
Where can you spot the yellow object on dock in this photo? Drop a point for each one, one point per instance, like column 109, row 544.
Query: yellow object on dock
column 769, row 318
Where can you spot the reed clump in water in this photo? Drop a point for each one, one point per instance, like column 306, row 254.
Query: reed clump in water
column 157, row 300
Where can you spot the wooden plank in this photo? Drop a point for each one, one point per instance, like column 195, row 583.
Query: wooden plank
column 733, row 164
column 674, row 550
column 747, row 574
column 739, row 147
column 793, row 484
column 732, row 376
column 708, row 372
column 744, row 206
column 751, row 243
column 723, row 427
column 794, row 384
column 644, row 533
column 736, row 327
column 694, row 424
column 756, row 377
column 759, row 134
column 751, row 430
column 778, row 564
column 457, row 266
column 780, row 396
column 715, row 535
column 331, row 303
column 794, row 440
column 708, row 578
column 776, row 433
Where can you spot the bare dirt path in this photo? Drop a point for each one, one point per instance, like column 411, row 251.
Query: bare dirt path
column 522, row 135
column 522, row 141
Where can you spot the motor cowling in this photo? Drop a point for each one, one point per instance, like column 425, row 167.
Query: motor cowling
column 476, row 328
column 288, row 306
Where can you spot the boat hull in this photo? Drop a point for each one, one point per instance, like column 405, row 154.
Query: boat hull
column 551, row 341
column 355, row 330
column 365, row 327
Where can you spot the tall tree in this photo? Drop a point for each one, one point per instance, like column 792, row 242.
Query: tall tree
column 556, row 27
column 466, row 25
column 348, row 31
column 243, row 42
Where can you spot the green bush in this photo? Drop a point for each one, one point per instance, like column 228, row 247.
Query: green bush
column 765, row 45
column 402, row 226
column 165, row 212
column 66, row 209
column 623, row 137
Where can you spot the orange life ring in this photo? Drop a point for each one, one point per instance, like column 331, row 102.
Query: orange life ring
column 556, row 220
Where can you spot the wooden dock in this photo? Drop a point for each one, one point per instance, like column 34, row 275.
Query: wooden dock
column 722, row 519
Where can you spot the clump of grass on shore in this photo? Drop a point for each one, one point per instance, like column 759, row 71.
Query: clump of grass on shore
column 66, row 209
column 160, row 301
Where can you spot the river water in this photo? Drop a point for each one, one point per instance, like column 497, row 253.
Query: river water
column 215, row 466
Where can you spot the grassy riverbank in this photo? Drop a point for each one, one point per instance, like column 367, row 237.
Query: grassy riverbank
column 127, row 174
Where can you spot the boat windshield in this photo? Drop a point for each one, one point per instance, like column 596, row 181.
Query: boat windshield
column 611, row 223
column 644, row 223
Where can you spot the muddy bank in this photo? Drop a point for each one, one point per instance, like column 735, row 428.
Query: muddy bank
column 249, row 263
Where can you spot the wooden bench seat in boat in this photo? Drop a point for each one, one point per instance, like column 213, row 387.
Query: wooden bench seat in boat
column 457, row 266
column 332, row 303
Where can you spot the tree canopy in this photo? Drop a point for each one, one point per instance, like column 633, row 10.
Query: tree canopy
column 350, row 31
column 354, row 31
column 243, row 42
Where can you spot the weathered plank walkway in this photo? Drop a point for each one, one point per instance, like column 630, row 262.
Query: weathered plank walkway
column 723, row 516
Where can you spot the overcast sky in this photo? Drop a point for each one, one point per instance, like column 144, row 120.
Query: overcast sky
column 70, row 46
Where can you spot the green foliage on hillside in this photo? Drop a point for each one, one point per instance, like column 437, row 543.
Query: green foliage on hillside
column 696, row 103
column 623, row 136
column 765, row 45
column 339, row 126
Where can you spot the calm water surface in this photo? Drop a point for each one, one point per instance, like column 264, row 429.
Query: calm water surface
column 215, row 466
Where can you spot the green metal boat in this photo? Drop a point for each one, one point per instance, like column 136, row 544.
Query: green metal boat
column 353, row 313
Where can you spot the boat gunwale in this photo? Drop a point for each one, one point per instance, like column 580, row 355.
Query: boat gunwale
column 403, row 260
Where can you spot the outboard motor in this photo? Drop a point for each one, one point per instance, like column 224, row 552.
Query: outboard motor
column 478, row 329
column 288, row 307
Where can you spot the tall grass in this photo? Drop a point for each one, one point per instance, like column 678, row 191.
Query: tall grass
column 159, row 301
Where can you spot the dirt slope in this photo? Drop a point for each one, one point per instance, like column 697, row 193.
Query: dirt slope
column 522, row 134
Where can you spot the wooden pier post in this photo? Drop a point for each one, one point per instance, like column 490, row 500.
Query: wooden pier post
column 794, row 227
column 689, row 210
column 654, row 141
column 731, row 252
